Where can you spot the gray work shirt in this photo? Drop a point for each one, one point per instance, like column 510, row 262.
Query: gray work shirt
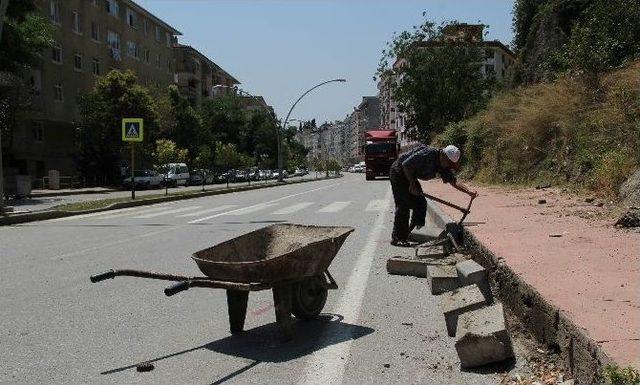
column 424, row 162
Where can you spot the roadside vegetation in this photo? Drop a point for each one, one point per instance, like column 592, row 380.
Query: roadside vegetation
column 567, row 113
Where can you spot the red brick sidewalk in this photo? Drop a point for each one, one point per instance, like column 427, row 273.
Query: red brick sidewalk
column 591, row 271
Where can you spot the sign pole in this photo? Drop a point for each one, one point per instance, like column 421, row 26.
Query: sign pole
column 133, row 181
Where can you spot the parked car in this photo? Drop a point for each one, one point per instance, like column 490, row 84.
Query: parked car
column 265, row 174
column 195, row 178
column 176, row 174
column 241, row 176
column 276, row 173
column 229, row 176
column 300, row 172
column 144, row 179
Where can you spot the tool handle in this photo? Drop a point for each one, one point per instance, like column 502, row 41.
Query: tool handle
column 102, row 276
column 177, row 288
column 462, row 209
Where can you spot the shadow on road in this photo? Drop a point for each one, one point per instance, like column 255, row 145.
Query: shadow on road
column 262, row 344
column 499, row 367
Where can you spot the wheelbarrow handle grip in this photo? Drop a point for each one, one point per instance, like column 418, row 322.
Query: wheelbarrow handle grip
column 102, row 276
column 177, row 288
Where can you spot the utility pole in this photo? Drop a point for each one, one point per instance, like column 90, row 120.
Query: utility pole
column 3, row 10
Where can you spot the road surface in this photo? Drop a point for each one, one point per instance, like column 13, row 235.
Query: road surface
column 59, row 328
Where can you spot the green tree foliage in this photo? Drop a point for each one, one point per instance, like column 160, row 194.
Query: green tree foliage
column 166, row 151
column 184, row 124
column 585, row 36
column 115, row 96
column 228, row 157
column 24, row 36
column 440, row 79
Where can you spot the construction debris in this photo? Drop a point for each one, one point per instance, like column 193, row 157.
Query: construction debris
column 471, row 272
column 630, row 219
column 482, row 337
column 460, row 301
column 442, row 278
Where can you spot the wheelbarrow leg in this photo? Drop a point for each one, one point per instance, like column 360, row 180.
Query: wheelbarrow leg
column 237, row 303
column 282, row 303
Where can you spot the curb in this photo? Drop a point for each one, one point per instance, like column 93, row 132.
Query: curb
column 67, row 193
column 580, row 354
column 53, row 214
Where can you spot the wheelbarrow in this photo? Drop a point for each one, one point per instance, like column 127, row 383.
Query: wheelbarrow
column 292, row 260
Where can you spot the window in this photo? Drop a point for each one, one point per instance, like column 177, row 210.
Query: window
column 158, row 60
column 147, row 55
column 56, row 53
column 158, row 33
column 132, row 18
column 57, row 92
column 38, row 131
column 113, row 8
column 77, row 61
column 168, row 64
column 145, row 26
column 35, row 81
column 168, row 38
column 54, row 11
column 132, row 49
column 95, row 66
column 77, row 22
column 113, row 39
column 488, row 53
column 95, row 31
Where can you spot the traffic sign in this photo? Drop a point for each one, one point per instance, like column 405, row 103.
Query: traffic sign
column 132, row 129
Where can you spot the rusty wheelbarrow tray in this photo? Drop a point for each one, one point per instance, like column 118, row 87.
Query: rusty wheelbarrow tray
column 291, row 260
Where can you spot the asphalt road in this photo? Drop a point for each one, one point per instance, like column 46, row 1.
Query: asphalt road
column 57, row 327
column 45, row 203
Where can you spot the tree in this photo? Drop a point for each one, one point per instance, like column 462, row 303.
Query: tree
column 436, row 81
column 166, row 151
column 184, row 125
column 101, row 150
column 24, row 36
column 228, row 156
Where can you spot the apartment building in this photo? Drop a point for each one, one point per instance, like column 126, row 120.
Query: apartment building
column 498, row 59
column 198, row 77
column 91, row 38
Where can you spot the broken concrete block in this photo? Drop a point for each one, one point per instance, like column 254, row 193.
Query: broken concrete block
column 430, row 251
column 442, row 278
column 460, row 301
column 407, row 266
column 471, row 272
column 482, row 337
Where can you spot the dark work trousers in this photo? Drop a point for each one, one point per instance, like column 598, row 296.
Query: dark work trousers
column 405, row 201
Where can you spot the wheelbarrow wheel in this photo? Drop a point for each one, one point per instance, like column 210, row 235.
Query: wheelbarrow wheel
column 309, row 297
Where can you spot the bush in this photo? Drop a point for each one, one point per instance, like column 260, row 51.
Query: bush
column 615, row 375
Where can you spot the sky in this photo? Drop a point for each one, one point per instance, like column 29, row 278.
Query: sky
column 281, row 48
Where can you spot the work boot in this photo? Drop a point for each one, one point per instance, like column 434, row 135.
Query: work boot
column 400, row 243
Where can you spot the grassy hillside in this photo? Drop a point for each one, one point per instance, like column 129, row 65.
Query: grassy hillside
column 571, row 131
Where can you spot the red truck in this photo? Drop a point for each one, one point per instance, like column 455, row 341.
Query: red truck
column 380, row 151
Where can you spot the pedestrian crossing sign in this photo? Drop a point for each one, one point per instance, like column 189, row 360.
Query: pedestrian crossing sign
column 132, row 129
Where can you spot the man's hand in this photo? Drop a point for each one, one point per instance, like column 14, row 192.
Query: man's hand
column 473, row 194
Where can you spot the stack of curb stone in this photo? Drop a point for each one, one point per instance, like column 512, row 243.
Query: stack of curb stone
column 471, row 316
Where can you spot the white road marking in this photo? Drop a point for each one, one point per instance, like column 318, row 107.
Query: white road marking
column 146, row 209
column 81, row 216
column 334, row 207
column 252, row 209
column 327, row 366
column 376, row 205
column 271, row 201
column 293, row 208
column 172, row 228
column 174, row 211
column 202, row 212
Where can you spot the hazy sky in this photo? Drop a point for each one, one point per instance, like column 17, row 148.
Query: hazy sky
column 281, row 48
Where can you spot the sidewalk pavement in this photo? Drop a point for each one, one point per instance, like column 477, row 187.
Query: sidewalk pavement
column 70, row 191
column 588, row 269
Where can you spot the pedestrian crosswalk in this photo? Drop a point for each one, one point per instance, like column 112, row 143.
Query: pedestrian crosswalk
column 202, row 213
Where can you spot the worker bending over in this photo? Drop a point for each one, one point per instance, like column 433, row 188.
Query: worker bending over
column 422, row 163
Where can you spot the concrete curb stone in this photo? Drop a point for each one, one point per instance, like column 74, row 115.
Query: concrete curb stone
column 459, row 301
column 581, row 355
column 482, row 337
column 442, row 278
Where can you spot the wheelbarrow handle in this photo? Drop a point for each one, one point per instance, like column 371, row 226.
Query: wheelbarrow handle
column 177, row 288
column 102, row 276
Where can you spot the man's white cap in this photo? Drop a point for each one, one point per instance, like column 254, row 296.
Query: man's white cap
column 452, row 152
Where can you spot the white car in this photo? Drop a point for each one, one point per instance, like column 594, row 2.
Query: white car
column 145, row 179
column 176, row 174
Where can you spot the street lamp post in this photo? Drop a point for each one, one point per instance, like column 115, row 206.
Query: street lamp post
column 286, row 120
